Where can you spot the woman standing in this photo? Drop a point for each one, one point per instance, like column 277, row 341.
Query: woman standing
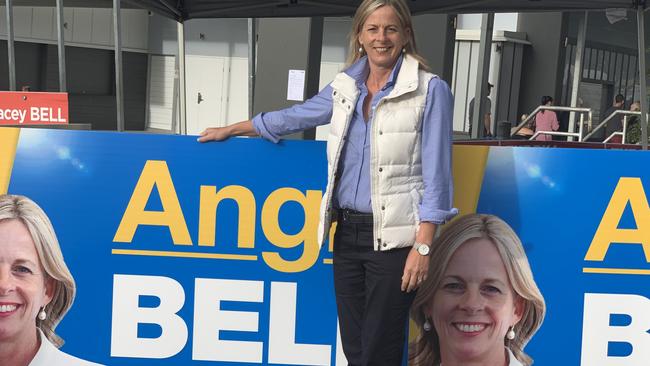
column 389, row 175
column 546, row 120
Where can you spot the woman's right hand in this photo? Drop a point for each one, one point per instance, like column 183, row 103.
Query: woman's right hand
column 214, row 134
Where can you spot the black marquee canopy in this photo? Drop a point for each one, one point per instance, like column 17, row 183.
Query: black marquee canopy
column 188, row 9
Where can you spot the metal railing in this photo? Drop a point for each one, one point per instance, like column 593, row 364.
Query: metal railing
column 578, row 134
column 618, row 133
column 610, row 117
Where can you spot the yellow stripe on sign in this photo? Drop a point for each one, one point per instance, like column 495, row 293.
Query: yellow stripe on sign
column 621, row 271
column 159, row 253
column 8, row 143
column 468, row 169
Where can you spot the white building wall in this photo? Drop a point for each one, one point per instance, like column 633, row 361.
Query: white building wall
column 502, row 21
column 335, row 39
column 227, row 38
column 203, row 37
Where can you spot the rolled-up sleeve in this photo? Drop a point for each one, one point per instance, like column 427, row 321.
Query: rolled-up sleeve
column 437, row 133
column 314, row 112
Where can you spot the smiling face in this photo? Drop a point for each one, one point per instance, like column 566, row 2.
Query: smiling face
column 382, row 37
column 474, row 305
column 24, row 288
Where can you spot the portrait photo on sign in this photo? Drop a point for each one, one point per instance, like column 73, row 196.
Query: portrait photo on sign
column 479, row 303
column 36, row 287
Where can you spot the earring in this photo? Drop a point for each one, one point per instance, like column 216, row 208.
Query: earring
column 404, row 50
column 511, row 333
column 361, row 49
column 42, row 315
column 426, row 326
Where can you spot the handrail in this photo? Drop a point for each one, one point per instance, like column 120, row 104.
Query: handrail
column 612, row 115
column 556, row 108
column 617, row 133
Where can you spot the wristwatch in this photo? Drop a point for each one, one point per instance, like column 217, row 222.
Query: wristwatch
column 422, row 248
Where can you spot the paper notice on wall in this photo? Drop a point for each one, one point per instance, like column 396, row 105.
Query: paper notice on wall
column 296, row 85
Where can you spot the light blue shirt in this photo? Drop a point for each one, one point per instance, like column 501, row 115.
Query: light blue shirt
column 353, row 189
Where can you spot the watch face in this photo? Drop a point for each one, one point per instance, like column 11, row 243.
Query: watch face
column 423, row 249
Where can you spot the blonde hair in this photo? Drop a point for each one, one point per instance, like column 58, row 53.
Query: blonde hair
column 403, row 13
column 14, row 207
column 426, row 349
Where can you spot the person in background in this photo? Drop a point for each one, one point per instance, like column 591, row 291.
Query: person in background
column 616, row 123
column 525, row 132
column 389, row 182
column 487, row 117
column 479, row 305
column 36, row 287
column 563, row 118
column 546, row 120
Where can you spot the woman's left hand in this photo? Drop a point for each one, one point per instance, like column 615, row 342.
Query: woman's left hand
column 417, row 265
column 415, row 271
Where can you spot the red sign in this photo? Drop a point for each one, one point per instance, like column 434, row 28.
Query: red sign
column 33, row 108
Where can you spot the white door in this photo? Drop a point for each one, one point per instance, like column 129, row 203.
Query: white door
column 204, row 95
column 236, row 90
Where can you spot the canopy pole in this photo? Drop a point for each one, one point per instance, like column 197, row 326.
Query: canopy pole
column 577, row 69
column 450, row 46
column 119, row 88
column 61, row 45
column 181, row 77
column 10, row 45
column 252, row 54
column 640, row 19
column 482, row 75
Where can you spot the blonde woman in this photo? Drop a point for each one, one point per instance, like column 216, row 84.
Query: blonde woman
column 389, row 175
column 36, row 287
column 480, row 304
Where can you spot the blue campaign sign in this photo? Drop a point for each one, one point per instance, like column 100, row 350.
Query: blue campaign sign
column 183, row 251
column 584, row 220
column 188, row 253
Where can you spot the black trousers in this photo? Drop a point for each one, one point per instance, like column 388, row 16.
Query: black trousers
column 372, row 309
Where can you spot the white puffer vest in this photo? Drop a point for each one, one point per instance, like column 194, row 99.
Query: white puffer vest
column 395, row 154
